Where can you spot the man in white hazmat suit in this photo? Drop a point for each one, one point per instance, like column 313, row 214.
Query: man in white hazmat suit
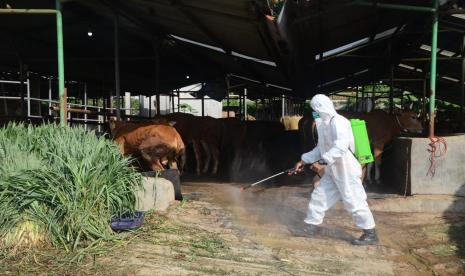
column 342, row 177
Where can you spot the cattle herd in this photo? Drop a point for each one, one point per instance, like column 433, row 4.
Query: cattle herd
column 164, row 141
column 234, row 147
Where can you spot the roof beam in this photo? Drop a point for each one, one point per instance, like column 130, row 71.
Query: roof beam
column 208, row 11
column 184, row 53
column 452, row 11
column 429, row 58
column 321, row 13
column 202, row 27
column 395, row 6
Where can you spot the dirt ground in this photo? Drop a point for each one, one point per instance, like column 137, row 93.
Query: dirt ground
column 219, row 230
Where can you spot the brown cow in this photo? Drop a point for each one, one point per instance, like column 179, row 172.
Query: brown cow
column 211, row 130
column 157, row 145
column 202, row 132
column 382, row 128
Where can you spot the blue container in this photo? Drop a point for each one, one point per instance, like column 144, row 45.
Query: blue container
column 127, row 221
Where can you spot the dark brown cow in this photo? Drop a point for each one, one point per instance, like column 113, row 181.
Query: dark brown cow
column 233, row 132
column 259, row 131
column 211, row 130
column 306, row 133
column 202, row 132
column 157, row 145
column 382, row 128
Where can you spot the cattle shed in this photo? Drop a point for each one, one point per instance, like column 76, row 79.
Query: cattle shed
column 307, row 47
column 82, row 56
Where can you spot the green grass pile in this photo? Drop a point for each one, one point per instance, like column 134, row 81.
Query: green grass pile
column 60, row 186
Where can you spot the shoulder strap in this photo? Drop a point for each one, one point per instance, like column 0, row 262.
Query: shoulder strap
column 331, row 122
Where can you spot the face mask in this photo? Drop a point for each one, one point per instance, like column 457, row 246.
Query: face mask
column 315, row 115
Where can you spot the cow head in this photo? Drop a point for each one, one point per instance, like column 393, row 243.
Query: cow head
column 408, row 121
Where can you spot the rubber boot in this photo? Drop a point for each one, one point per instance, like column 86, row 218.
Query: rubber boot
column 368, row 237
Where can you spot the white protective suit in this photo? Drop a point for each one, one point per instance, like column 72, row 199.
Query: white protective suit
column 342, row 178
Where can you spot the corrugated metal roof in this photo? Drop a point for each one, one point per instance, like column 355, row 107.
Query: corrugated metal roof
column 316, row 46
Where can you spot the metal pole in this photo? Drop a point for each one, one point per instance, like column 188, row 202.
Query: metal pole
column 85, row 105
column 99, row 119
column 179, row 101
column 203, row 105
column 226, row 78
column 423, row 106
column 49, row 96
column 28, row 91
column 158, row 103
column 282, row 106
column 150, row 106
column 157, row 76
column 127, row 103
column 391, row 91
column 227, row 104
column 21, row 87
column 172, row 101
column 434, row 46
column 240, row 105
column 65, row 111
column 141, row 105
column 61, row 64
column 373, row 99
column 363, row 98
column 117, row 77
column 462, row 87
column 356, row 99
column 30, row 11
column 245, row 103
column 402, row 100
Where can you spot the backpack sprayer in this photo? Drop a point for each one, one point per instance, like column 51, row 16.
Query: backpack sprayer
column 362, row 143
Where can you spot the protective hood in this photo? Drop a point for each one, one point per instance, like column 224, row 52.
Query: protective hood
column 324, row 106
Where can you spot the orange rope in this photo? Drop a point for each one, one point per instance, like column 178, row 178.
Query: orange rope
column 438, row 149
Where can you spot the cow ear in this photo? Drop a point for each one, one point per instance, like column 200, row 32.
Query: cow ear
column 171, row 123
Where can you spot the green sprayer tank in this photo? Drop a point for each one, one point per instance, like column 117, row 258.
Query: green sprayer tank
column 362, row 144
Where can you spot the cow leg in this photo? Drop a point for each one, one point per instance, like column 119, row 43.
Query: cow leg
column 378, row 152
column 369, row 168
column 181, row 160
column 208, row 155
column 216, row 158
column 197, row 153
column 236, row 165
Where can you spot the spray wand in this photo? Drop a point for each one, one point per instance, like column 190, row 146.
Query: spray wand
column 288, row 171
